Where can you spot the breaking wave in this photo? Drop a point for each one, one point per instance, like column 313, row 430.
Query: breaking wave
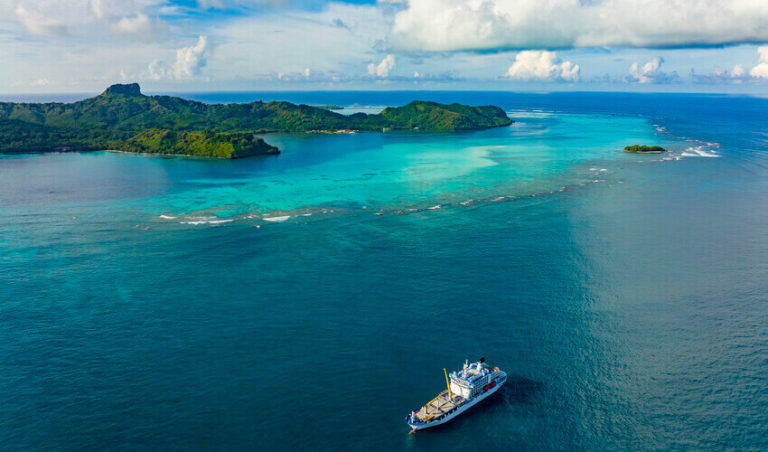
column 279, row 219
column 206, row 220
column 700, row 151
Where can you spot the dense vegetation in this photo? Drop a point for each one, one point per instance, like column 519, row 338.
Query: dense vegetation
column 197, row 144
column 643, row 149
column 122, row 117
column 432, row 116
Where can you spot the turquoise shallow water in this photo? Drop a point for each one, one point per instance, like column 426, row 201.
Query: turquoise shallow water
column 148, row 304
column 396, row 170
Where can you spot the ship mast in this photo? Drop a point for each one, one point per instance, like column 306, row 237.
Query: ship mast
column 448, row 383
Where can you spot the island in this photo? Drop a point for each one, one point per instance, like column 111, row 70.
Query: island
column 124, row 119
column 643, row 149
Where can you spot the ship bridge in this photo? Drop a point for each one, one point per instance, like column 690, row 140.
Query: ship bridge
column 472, row 379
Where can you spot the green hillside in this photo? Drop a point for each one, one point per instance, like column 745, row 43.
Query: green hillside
column 197, row 144
column 116, row 119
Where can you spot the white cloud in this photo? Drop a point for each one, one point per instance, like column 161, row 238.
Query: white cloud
column 190, row 60
column 139, row 25
column 646, row 73
column 650, row 72
column 78, row 12
column 189, row 63
column 38, row 23
column 264, row 45
column 39, row 83
column 736, row 75
column 157, row 70
column 259, row 48
column 449, row 25
column 227, row 4
column 761, row 70
column 304, row 75
column 383, row 68
column 543, row 66
column 78, row 17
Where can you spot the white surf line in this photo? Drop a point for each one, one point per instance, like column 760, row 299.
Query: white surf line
column 196, row 222
column 279, row 219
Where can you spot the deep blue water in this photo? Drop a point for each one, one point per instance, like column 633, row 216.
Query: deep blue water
column 155, row 303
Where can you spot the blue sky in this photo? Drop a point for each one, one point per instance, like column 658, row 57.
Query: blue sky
column 521, row 45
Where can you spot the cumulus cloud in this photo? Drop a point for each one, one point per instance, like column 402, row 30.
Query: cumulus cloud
column 190, row 60
column 543, row 66
column 761, row 70
column 189, row 63
column 650, row 72
column 449, row 25
column 40, row 82
column 383, row 68
column 736, row 75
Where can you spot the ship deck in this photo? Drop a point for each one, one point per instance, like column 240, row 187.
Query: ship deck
column 439, row 406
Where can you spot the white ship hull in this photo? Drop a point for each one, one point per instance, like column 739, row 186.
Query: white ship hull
column 461, row 408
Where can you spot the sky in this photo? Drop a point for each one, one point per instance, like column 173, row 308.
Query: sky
column 79, row 46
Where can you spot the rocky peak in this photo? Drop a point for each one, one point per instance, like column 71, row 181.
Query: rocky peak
column 129, row 89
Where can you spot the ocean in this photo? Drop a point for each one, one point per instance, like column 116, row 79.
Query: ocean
column 310, row 301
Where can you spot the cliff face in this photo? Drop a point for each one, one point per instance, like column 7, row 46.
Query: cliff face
column 130, row 89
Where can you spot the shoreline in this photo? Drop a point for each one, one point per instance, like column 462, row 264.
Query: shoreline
column 200, row 157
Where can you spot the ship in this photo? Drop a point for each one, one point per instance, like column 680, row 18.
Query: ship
column 465, row 388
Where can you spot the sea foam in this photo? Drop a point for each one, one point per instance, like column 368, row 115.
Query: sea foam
column 699, row 151
column 277, row 219
column 206, row 220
